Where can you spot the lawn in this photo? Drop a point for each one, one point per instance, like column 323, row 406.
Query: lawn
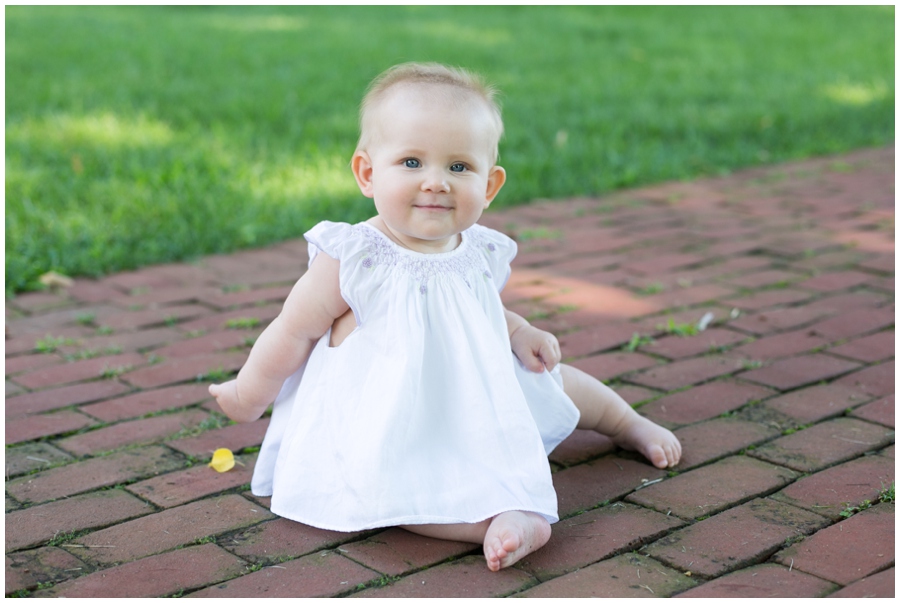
column 137, row 135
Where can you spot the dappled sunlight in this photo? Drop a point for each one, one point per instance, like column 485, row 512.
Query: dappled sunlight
column 244, row 22
column 562, row 292
column 295, row 177
column 103, row 130
column 856, row 94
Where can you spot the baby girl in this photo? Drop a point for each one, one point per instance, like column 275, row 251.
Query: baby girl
column 404, row 393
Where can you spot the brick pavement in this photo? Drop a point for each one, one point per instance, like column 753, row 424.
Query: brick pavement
column 784, row 404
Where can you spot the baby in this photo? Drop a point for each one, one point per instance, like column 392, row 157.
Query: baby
column 404, row 393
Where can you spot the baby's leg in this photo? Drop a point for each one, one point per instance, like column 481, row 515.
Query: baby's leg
column 604, row 411
column 506, row 538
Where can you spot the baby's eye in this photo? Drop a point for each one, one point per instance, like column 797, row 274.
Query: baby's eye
column 458, row 167
column 412, row 163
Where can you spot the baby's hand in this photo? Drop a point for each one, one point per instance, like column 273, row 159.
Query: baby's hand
column 535, row 348
column 226, row 395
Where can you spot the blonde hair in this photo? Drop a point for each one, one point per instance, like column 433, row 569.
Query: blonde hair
column 433, row 74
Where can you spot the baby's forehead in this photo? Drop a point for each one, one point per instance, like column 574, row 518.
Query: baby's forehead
column 430, row 97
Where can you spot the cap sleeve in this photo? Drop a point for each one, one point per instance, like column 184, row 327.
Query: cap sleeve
column 498, row 249
column 342, row 242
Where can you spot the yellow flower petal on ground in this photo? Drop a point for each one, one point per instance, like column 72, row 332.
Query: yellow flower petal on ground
column 222, row 460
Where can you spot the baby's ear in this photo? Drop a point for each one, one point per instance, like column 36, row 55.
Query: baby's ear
column 361, row 165
column 496, row 179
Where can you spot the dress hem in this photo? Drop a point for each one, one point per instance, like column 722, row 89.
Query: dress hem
column 409, row 520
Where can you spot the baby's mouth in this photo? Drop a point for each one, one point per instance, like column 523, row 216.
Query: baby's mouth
column 433, row 207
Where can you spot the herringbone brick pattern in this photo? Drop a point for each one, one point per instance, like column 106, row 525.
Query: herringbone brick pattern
column 784, row 403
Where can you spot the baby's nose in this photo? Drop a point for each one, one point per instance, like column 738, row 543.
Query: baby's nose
column 435, row 182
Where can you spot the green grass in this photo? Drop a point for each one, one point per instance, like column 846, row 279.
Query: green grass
column 137, row 135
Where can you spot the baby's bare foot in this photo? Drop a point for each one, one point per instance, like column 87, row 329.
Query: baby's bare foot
column 512, row 535
column 658, row 444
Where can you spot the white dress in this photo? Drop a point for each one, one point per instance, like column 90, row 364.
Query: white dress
column 422, row 414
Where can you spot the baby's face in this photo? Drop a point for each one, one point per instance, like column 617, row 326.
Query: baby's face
column 429, row 166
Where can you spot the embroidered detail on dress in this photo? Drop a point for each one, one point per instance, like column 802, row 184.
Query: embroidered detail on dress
column 381, row 251
column 423, row 289
column 487, row 274
column 492, row 247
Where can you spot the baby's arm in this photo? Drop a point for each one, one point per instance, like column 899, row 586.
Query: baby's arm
column 312, row 306
column 534, row 347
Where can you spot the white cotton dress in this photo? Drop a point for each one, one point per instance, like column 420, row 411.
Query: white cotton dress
column 422, row 414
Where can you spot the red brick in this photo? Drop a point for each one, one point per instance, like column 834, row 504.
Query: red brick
column 765, row 278
column 824, row 444
column 22, row 429
column 154, row 317
column 219, row 321
column 140, row 431
column 848, row 302
column 40, row 523
column 880, row 586
column 217, row 341
column 170, row 528
column 633, row 394
column 607, row 366
column 713, row 488
column 234, row 437
column 318, row 575
column 275, row 541
column 397, row 551
column 157, row 576
column 92, row 291
column 581, row 445
column 734, row 539
column 41, row 301
column 767, row 580
column 872, row 348
column 829, row 492
column 63, row 323
column 236, row 299
column 79, row 371
column 51, row 399
column 597, row 339
column 27, row 569
column 625, row 576
column 31, row 362
column 880, row 263
column 855, row 323
column 847, row 551
column 147, row 402
column 469, row 577
column 160, row 296
column 179, row 487
column 664, row 264
column 585, row 539
column 591, row 484
column 702, row 402
column 798, row 371
column 835, row 281
column 780, row 346
column 683, row 347
column 133, row 341
column 781, row 319
column 877, row 381
column 681, row 373
column 27, row 457
column 762, row 300
column 879, row 411
column 185, row 369
column 92, row 474
column 812, row 404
